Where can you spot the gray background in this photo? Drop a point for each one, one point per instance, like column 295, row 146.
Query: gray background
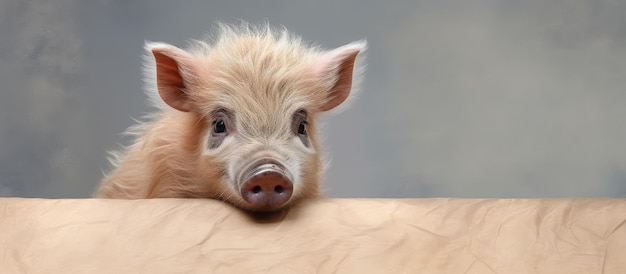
column 461, row 98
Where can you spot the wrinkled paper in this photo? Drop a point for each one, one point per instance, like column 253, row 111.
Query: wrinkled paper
column 317, row 236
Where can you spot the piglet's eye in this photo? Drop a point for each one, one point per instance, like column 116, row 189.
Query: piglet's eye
column 302, row 127
column 219, row 126
column 299, row 126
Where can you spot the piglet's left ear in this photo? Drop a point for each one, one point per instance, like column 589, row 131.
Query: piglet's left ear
column 336, row 67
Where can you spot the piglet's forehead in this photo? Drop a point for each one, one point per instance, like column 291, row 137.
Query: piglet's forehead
column 259, row 110
column 260, row 95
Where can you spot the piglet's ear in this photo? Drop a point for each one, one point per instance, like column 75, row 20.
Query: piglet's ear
column 175, row 71
column 336, row 67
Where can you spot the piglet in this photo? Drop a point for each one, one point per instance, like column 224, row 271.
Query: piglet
column 236, row 119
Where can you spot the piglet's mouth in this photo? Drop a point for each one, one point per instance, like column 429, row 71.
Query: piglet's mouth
column 266, row 185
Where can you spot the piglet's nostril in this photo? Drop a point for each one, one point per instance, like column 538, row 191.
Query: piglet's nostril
column 278, row 189
column 256, row 189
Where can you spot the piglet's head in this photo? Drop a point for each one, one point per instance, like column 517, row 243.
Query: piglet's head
column 258, row 99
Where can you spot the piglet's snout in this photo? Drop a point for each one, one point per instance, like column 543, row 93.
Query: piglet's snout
column 267, row 186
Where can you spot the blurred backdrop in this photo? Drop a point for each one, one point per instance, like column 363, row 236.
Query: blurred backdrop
column 461, row 98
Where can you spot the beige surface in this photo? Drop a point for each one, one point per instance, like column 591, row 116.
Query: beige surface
column 325, row 236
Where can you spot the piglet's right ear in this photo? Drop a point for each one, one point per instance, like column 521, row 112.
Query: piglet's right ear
column 176, row 70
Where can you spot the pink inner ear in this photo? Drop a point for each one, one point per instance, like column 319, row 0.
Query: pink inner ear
column 337, row 66
column 171, row 82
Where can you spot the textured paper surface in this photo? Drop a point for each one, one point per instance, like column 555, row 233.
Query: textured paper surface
column 322, row 236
